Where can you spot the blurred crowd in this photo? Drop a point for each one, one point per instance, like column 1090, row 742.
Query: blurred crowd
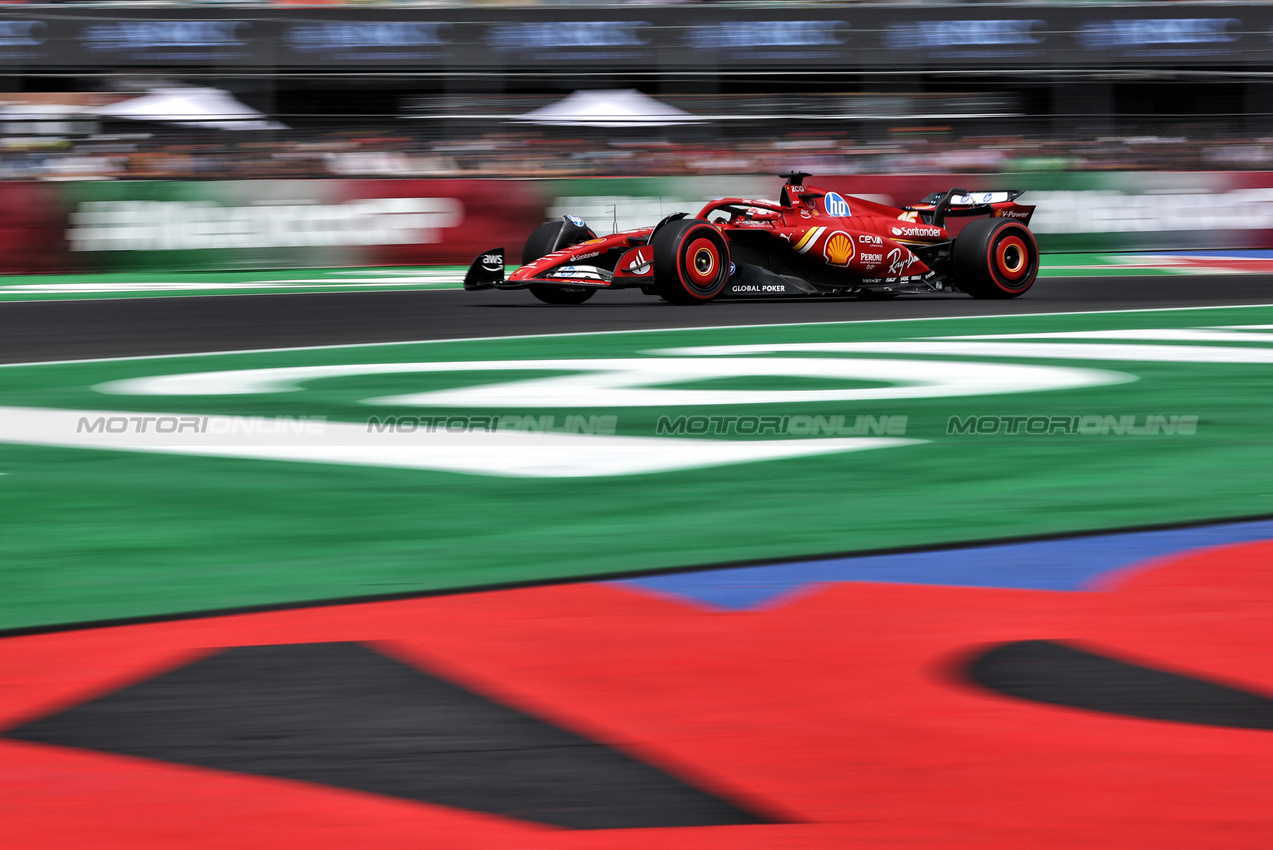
column 217, row 155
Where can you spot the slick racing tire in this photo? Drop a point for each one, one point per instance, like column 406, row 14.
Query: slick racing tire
column 691, row 261
column 995, row 258
column 545, row 240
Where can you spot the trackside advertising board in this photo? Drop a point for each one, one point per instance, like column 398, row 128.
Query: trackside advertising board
column 122, row 226
column 615, row 38
column 143, row 225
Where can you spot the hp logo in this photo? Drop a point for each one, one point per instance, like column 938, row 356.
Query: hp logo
column 836, row 205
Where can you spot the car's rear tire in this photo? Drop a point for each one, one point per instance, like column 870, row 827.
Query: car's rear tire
column 691, row 261
column 995, row 258
column 546, row 239
column 550, row 294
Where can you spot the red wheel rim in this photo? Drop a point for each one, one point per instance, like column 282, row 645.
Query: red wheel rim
column 702, row 262
column 1012, row 258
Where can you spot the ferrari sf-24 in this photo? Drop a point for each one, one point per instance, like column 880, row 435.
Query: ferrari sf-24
column 809, row 242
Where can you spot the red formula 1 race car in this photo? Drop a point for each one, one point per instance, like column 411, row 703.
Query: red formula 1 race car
column 810, row 242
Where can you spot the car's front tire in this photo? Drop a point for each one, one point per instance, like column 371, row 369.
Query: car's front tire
column 546, row 239
column 691, row 261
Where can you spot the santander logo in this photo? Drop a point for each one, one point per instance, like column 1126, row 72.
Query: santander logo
column 926, row 232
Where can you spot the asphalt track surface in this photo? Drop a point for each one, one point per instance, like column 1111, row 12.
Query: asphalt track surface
column 66, row 330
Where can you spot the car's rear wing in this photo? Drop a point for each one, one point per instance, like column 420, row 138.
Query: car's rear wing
column 936, row 208
column 965, row 198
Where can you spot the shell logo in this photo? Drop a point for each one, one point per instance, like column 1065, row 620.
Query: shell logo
column 839, row 249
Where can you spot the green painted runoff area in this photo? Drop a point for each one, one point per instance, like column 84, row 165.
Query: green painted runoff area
column 92, row 534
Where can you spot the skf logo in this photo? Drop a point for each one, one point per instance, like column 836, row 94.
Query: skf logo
column 839, row 249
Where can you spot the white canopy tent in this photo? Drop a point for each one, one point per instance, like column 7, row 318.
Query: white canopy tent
column 209, row 108
column 609, row 108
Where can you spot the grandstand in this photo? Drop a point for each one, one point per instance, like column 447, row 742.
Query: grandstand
column 440, row 90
